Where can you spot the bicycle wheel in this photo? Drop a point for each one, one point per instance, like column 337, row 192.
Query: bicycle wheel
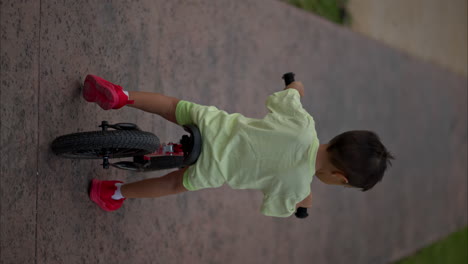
column 118, row 143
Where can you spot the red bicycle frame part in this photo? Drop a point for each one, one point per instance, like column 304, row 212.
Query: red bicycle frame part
column 169, row 149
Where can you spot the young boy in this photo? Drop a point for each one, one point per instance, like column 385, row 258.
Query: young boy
column 278, row 154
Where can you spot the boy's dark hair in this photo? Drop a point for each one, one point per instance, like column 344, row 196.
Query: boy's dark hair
column 360, row 156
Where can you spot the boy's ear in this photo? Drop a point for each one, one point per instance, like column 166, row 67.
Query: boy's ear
column 340, row 177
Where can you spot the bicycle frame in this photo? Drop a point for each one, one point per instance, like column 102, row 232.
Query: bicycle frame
column 168, row 156
column 166, row 149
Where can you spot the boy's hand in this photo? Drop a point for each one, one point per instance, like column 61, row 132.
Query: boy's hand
column 306, row 203
column 297, row 86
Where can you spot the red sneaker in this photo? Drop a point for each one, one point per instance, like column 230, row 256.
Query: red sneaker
column 101, row 193
column 106, row 94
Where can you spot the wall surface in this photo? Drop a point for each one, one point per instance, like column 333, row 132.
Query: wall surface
column 230, row 54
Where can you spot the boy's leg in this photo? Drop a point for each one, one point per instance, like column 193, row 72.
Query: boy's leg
column 155, row 103
column 108, row 195
column 171, row 183
column 111, row 96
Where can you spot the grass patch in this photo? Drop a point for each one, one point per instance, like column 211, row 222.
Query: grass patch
column 453, row 250
column 333, row 10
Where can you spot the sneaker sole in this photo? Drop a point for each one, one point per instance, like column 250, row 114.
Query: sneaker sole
column 103, row 96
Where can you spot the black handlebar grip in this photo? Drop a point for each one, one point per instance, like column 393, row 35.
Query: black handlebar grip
column 301, row 212
column 288, row 78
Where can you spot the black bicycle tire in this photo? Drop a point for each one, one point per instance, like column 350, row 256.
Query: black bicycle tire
column 138, row 142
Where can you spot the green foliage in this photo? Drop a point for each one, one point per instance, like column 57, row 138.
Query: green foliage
column 453, row 250
column 333, row 10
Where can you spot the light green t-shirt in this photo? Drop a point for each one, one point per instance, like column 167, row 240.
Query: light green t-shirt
column 275, row 154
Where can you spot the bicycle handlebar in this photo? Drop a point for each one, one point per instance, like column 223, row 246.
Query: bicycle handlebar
column 288, row 78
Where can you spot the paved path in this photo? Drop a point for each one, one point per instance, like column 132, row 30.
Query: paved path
column 430, row 29
column 230, row 54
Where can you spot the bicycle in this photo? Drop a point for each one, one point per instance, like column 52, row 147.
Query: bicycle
column 128, row 140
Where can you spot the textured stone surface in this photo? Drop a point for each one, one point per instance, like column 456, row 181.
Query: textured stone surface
column 19, row 49
column 230, row 54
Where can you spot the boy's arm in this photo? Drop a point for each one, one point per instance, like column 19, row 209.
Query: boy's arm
column 296, row 86
column 306, row 203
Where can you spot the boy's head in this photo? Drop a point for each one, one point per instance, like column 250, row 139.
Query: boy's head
column 355, row 159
